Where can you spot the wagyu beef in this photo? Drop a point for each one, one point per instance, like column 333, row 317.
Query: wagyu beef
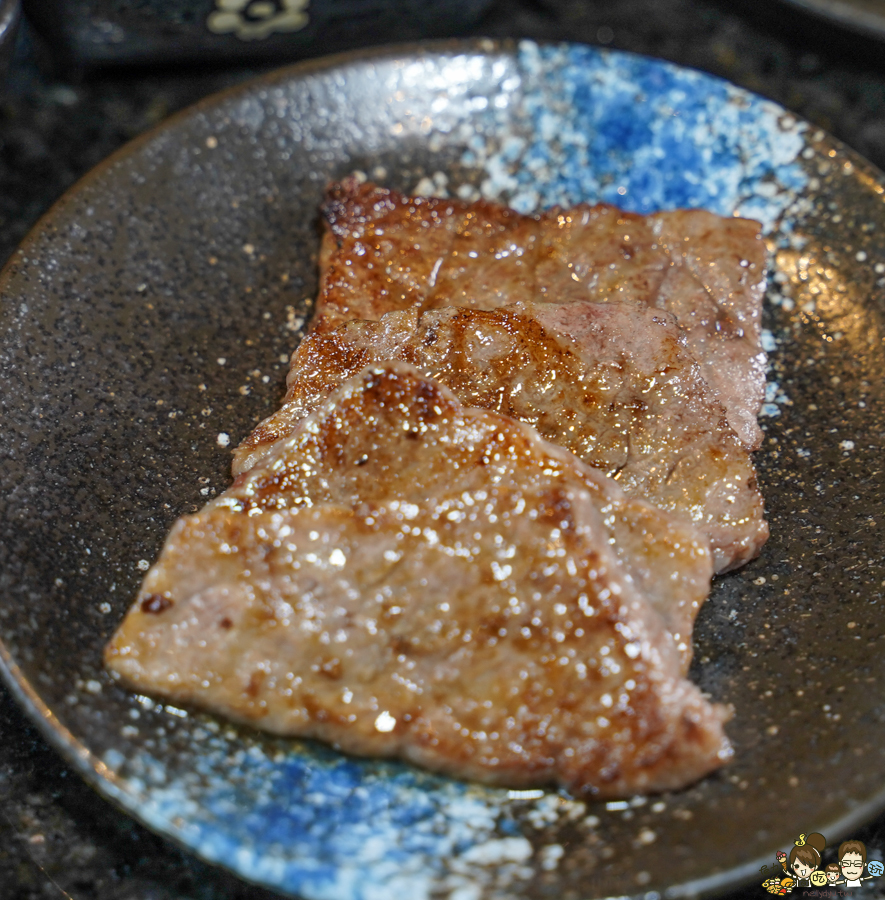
column 383, row 251
column 611, row 382
column 404, row 576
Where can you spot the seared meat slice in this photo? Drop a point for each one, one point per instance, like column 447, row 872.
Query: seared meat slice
column 709, row 271
column 375, row 440
column 612, row 382
column 384, row 252
column 462, row 609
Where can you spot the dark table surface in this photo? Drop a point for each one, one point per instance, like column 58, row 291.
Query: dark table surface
column 58, row 838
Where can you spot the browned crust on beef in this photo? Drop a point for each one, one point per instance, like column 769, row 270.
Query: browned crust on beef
column 383, row 252
column 454, row 600
column 611, row 382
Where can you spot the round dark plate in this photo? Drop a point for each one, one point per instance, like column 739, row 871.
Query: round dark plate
column 146, row 324
column 865, row 16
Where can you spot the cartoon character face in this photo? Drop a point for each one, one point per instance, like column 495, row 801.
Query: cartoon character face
column 802, row 870
column 832, row 876
column 852, row 866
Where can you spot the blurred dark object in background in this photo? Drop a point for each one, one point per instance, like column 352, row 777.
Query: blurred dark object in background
column 864, row 16
column 88, row 33
column 10, row 13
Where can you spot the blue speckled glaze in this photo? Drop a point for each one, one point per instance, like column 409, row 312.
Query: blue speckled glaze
column 534, row 128
column 640, row 134
column 329, row 827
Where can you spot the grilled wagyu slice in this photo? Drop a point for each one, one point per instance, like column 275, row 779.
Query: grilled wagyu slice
column 383, row 251
column 611, row 382
column 664, row 555
column 404, row 576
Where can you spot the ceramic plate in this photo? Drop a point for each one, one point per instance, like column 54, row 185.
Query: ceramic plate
column 866, row 16
column 145, row 327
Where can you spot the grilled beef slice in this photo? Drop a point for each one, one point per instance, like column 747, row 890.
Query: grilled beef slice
column 404, row 576
column 611, row 382
column 383, row 251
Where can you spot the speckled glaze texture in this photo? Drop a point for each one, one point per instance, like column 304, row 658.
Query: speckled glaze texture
column 146, row 325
